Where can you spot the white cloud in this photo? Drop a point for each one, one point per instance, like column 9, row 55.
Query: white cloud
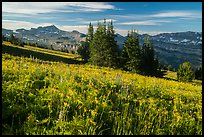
column 6, row 14
column 162, row 14
column 129, row 16
column 122, row 32
column 30, row 7
column 33, row 8
column 13, row 24
column 80, row 28
column 146, row 22
column 177, row 13
column 97, row 6
column 96, row 21
column 44, row 17
column 71, row 19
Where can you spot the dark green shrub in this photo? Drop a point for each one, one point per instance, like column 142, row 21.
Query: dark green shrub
column 185, row 72
column 198, row 73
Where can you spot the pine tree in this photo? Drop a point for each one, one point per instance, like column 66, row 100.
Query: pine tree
column 124, row 56
column 149, row 62
column 112, row 49
column 103, row 48
column 89, row 36
column 84, row 50
column 198, row 73
column 170, row 68
column 156, row 64
column 3, row 39
column 97, row 46
column 145, row 54
column 131, row 53
column 153, row 61
column 12, row 39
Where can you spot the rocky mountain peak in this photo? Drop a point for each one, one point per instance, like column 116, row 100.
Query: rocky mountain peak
column 49, row 28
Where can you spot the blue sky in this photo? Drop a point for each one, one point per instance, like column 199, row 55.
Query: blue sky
column 146, row 17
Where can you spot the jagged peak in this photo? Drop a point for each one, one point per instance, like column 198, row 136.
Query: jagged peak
column 75, row 31
column 48, row 27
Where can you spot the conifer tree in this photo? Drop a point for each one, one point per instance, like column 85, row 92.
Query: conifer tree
column 112, row 49
column 97, row 46
column 198, row 73
column 84, row 50
column 89, row 36
column 131, row 53
column 124, row 56
column 149, row 62
column 103, row 48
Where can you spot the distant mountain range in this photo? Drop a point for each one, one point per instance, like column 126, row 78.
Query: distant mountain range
column 46, row 36
column 171, row 48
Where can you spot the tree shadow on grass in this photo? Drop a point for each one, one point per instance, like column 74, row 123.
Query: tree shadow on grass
column 15, row 51
column 161, row 74
column 167, row 78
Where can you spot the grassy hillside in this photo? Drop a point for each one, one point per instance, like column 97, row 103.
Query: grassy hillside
column 40, row 53
column 173, row 76
column 44, row 97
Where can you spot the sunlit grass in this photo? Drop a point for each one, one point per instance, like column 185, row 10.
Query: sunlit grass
column 47, row 51
column 54, row 98
column 171, row 75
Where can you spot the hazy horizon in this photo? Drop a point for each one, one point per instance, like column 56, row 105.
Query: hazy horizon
column 116, row 33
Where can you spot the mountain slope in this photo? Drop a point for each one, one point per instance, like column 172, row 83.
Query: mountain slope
column 174, row 48
column 171, row 48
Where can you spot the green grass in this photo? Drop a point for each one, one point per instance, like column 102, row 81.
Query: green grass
column 46, row 51
column 43, row 54
column 171, row 75
column 44, row 97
